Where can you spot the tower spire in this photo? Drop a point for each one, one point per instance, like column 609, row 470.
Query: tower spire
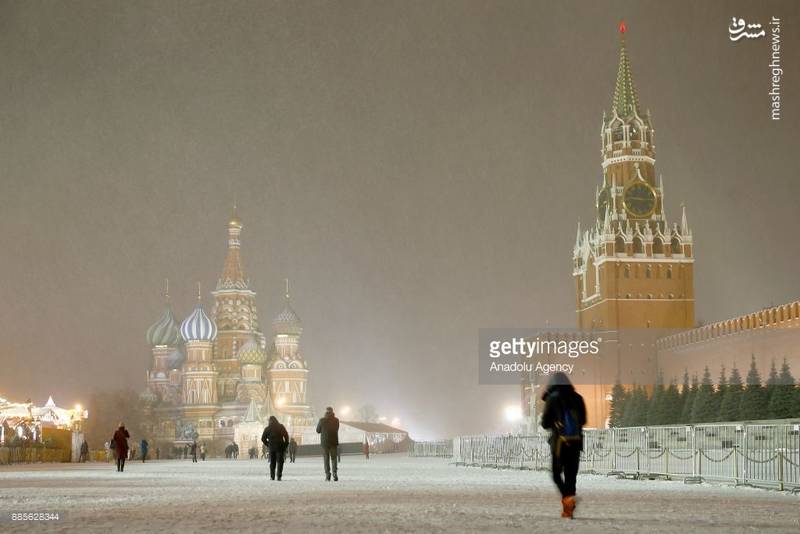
column 232, row 272
column 166, row 290
column 287, row 288
column 625, row 102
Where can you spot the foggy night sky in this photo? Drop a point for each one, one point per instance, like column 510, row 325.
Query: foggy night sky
column 416, row 168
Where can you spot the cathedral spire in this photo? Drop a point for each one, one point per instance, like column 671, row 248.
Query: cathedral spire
column 232, row 273
column 625, row 102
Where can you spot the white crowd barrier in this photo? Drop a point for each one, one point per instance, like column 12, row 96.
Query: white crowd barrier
column 763, row 455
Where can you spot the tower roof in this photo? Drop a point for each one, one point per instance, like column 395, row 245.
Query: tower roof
column 198, row 326
column 626, row 101
column 232, row 272
column 287, row 321
column 165, row 330
column 251, row 353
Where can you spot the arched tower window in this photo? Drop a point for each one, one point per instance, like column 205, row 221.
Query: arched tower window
column 638, row 245
column 658, row 246
column 676, row 246
column 619, row 245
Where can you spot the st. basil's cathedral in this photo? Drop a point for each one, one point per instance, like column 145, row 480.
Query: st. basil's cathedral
column 212, row 372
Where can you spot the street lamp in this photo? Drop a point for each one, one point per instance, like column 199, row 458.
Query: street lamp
column 513, row 413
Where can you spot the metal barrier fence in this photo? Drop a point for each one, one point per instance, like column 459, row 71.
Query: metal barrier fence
column 764, row 455
column 432, row 449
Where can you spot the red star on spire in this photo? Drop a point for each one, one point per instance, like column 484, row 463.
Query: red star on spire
column 622, row 27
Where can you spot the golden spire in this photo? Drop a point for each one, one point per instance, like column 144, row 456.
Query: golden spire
column 234, row 221
column 199, row 296
column 232, row 272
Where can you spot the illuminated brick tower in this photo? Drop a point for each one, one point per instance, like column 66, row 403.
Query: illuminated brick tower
column 632, row 268
column 235, row 314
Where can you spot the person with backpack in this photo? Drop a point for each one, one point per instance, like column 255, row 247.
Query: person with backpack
column 564, row 415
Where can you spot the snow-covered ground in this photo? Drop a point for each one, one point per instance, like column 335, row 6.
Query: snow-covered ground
column 390, row 493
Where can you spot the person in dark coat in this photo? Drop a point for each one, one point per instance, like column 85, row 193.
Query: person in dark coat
column 84, row 451
column 366, row 449
column 328, row 430
column 564, row 415
column 193, row 450
column 120, row 440
column 145, row 447
column 276, row 438
column 292, row 450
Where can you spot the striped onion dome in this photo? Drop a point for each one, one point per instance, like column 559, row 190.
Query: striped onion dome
column 164, row 331
column 198, row 326
column 287, row 322
column 251, row 354
column 175, row 359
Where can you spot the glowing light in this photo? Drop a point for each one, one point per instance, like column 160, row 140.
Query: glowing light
column 78, row 408
column 280, row 401
column 513, row 413
column 345, row 410
column 395, row 421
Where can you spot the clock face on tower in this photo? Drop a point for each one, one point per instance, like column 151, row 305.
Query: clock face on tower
column 639, row 199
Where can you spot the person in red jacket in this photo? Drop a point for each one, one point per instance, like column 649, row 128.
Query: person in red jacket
column 366, row 449
column 120, row 440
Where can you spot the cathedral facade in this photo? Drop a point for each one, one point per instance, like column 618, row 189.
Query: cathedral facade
column 212, row 371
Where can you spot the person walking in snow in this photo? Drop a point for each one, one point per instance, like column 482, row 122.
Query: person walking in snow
column 292, row 450
column 366, row 450
column 564, row 415
column 193, row 450
column 145, row 447
column 203, row 451
column 328, row 430
column 120, row 445
column 276, row 438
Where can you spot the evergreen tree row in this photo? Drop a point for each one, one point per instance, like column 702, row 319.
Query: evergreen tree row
column 701, row 401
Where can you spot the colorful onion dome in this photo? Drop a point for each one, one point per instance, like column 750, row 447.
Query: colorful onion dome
column 287, row 322
column 251, row 353
column 164, row 331
column 175, row 359
column 198, row 326
column 148, row 397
